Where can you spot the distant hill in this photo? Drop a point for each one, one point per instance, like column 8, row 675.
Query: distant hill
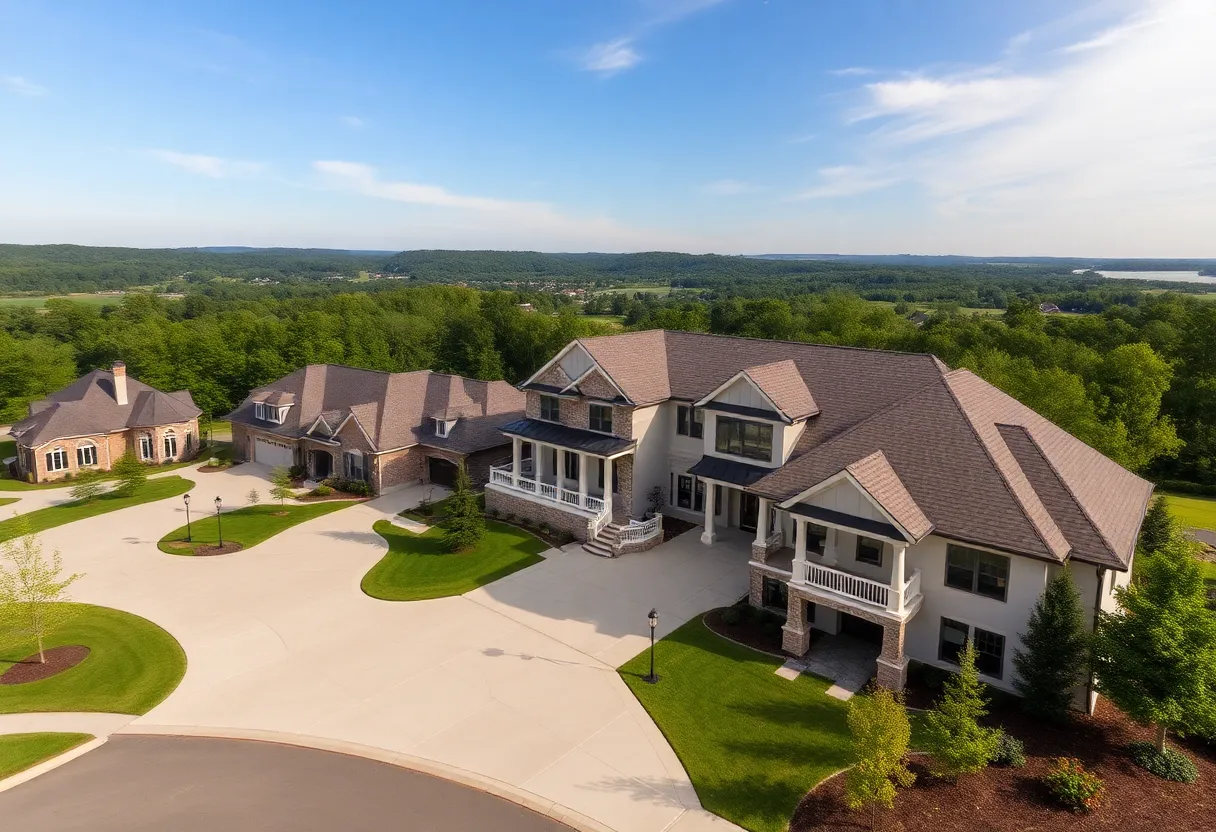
column 1113, row 264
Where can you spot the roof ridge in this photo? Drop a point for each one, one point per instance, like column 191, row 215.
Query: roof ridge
column 763, row 341
column 881, row 412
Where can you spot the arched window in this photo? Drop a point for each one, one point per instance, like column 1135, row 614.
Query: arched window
column 170, row 445
column 57, row 460
column 145, row 446
column 86, row 454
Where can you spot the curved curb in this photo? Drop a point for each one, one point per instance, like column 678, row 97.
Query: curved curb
column 497, row 788
column 48, row 765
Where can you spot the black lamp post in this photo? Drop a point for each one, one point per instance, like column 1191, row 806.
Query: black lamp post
column 186, row 500
column 653, row 618
column 219, row 524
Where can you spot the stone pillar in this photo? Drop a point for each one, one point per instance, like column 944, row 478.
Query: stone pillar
column 895, row 598
column 762, row 522
column 582, row 480
column 799, row 568
column 795, row 635
column 517, row 445
column 708, row 537
column 892, row 663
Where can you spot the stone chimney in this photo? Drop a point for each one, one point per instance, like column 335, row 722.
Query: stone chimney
column 120, row 382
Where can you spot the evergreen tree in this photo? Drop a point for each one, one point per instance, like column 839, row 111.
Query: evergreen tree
column 1057, row 649
column 1156, row 657
column 464, row 525
column 131, row 474
column 955, row 740
column 881, row 734
column 1158, row 528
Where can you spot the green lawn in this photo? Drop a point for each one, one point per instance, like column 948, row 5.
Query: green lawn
column 1193, row 512
column 247, row 526
column 418, row 567
column 38, row 301
column 9, row 448
column 20, row 751
column 4, row 501
column 48, row 518
column 646, row 288
column 134, row 664
column 753, row 743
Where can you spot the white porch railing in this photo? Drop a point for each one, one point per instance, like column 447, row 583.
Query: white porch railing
column 597, row 525
column 774, row 541
column 504, row 476
column 848, row 585
column 912, row 587
column 639, row 531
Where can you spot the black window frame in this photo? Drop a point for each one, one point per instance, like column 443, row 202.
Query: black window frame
column 85, row 450
column 550, row 409
column 815, row 532
column 950, row 654
column 989, row 647
column 973, row 577
column 745, row 438
column 600, row 410
column 698, row 495
column 771, row 587
column 570, row 463
column 869, row 543
column 684, row 493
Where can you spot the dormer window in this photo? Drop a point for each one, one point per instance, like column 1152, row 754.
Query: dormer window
column 270, row 413
column 443, row 427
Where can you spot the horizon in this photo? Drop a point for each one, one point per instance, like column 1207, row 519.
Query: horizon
column 737, row 127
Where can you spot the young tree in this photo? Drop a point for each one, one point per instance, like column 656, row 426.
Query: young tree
column 1158, row 528
column 954, row 738
column 253, row 497
column 33, row 589
column 280, row 479
column 1057, row 650
column 881, row 733
column 131, row 475
column 1156, row 657
column 464, row 523
column 89, row 486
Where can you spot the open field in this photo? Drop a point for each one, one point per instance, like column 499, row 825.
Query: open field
column 926, row 307
column 38, row 301
column 1193, row 512
column 649, row 289
column 615, row 320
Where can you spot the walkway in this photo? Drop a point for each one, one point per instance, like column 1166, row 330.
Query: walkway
column 99, row 725
column 515, row 681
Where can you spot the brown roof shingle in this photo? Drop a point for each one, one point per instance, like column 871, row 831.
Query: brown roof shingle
column 878, row 478
column 783, row 384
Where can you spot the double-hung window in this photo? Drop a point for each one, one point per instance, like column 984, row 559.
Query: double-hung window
column 571, row 465
column 869, row 551
column 684, row 491
column 971, row 570
column 352, row 464
column 86, row 455
column 145, row 446
column 741, row 437
column 989, row 646
column 688, row 422
column 550, row 409
column 57, row 460
column 816, row 538
column 170, row 445
column 600, row 418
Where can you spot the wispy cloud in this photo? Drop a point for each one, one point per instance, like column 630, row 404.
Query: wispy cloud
column 353, row 122
column 850, row 71
column 611, row 57
column 727, row 187
column 21, row 86
column 1109, row 37
column 364, row 179
column 846, row 180
column 926, row 107
column 211, row 166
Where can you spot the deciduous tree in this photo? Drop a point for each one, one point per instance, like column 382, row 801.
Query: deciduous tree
column 33, row 588
column 88, row 486
column 881, row 733
column 280, row 488
column 131, row 475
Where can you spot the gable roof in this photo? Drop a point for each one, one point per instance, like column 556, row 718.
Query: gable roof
column 395, row 410
column 876, row 476
column 785, row 387
column 88, row 406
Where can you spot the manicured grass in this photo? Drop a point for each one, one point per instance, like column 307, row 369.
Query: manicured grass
column 20, row 751
column 1193, row 512
column 48, row 518
column 4, row 501
column 134, row 664
column 222, row 449
column 418, row 566
column 247, row 526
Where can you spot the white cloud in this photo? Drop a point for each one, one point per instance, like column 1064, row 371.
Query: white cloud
column 21, row 86
column 363, row 179
column 929, row 107
column 846, row 180
column 212, row 166
column 611, row 57
column 353, row 122
column 1110, row 37
column 727, row 187
column 849, row 71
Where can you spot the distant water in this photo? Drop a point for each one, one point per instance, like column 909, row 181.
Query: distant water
column 1177, row 277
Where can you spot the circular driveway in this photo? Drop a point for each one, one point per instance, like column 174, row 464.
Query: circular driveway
column 189, row 783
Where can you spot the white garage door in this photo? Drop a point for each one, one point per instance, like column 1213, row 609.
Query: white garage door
column 273, row 453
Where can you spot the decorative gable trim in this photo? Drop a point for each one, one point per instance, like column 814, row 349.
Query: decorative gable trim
column 842, row 476
column 577, row 383
column 595, row 365
column 742, row 374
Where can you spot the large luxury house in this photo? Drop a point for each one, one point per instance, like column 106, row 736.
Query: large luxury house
column 95, row 420
column 386, row 429
column 878, row 493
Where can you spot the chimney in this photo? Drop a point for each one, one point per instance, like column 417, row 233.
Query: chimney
column 120, row 382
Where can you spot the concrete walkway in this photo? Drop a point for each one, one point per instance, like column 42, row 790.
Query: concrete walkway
column 99, row 725
column 514, row 682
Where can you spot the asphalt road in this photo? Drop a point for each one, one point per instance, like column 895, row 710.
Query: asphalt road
column 189, row 784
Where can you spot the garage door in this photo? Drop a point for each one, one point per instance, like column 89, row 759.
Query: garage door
column 274, row 454
column 442, row 472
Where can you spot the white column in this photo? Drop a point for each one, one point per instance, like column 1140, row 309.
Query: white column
column 582, row 480
column 798, row 568
column 895, row 599
column 608, row 487
column 516, row 451
column 762, row 529
column 831, row 547
column 708, row 537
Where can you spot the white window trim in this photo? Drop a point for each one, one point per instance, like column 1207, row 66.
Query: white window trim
column 151, row 446
column 57, row 453
column 167, row 437
column 84, row 446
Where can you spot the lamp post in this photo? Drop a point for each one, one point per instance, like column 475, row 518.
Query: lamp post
column 653, row 618
column 219, row 524
column 186, row 500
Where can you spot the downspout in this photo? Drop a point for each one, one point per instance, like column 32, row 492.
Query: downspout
column 1089, row 686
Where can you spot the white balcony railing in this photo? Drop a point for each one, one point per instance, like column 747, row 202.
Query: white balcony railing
column 503, row 475
column 912, row 587
column 846, row 584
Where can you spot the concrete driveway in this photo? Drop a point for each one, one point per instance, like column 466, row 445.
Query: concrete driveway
column 514, row 681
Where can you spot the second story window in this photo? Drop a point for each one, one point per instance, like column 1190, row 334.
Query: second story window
column 601, row 418
column 688, row 422
column 441, row 427
column 971, row 570
column 550, row 409
column 869, row 551
column 741, row 437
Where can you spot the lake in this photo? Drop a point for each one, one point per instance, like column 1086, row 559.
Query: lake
column 1176, row 277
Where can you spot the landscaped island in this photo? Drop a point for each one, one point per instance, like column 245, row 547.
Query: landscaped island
column 52, row 516
column 243, row 527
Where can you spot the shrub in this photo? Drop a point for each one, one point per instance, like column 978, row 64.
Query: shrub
column 297, row 472
column 881, row 732
column 321, row 490
column 544, row 527
column 565, row 536
column 1009, row 752
column 731, row 616
column 358, row 488
column 494, row 513
column 1170, row 764
column 1073, row 786
column 213, row 462
column 69, row 475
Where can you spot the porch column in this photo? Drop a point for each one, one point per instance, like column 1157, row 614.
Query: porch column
column 708, row 537
column 608, row 463
column 895, row 598
column 762, row 529
column 831, row 545
column 582, row 480
column 516, row 450
column 798, row 568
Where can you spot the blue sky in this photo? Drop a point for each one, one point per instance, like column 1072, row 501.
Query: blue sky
column 928, row 126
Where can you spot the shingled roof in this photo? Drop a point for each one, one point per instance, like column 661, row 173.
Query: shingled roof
column 394, row 409
column 975, row 464
column 88, row 407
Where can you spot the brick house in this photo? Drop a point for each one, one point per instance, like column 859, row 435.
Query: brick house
column 876, row 493
column 386, row 429
column 98, row 418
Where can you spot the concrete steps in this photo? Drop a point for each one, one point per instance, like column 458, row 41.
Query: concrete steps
column 604, row 542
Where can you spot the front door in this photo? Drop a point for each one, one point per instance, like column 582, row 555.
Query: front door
column 749, row 511
column 322, row 465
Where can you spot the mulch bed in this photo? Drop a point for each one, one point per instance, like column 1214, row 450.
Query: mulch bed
column 1013, row 799
column 58, row 659
column 207, row 469
column 674, row 527
column 337, row 495
column 206, row 550
column 752, row 630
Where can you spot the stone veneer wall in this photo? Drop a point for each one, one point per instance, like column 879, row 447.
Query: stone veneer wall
column 622, row 499
column 557, row 519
